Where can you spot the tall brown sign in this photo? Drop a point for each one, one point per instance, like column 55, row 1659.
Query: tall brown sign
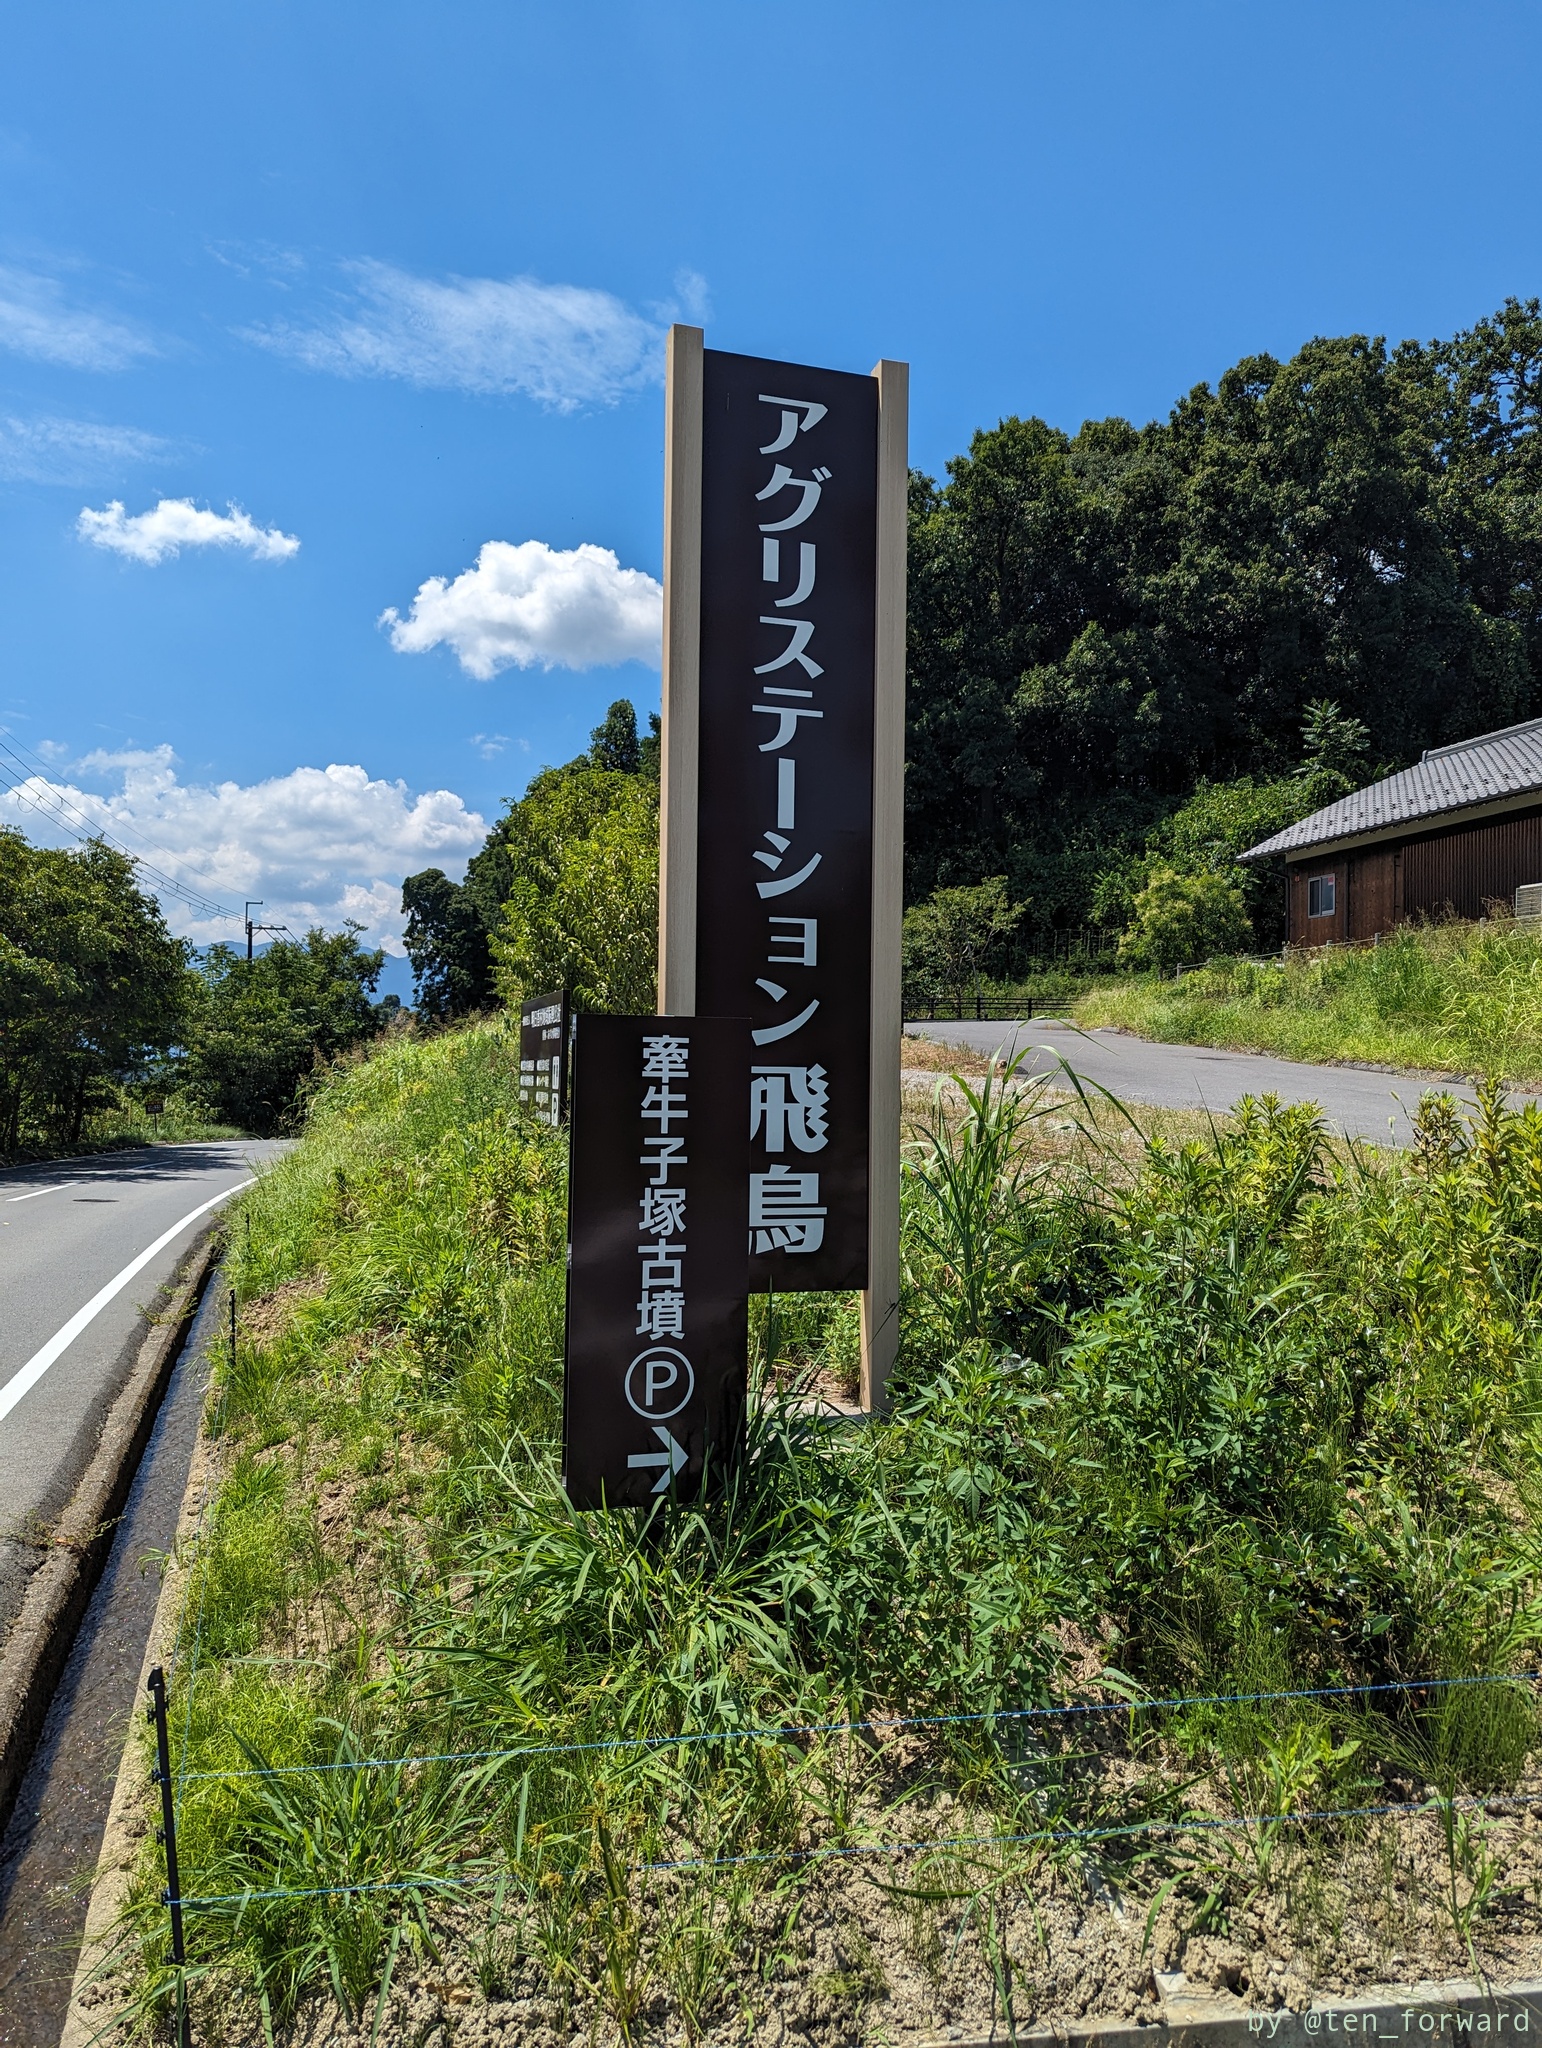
column 784, row 825
column 783, row 764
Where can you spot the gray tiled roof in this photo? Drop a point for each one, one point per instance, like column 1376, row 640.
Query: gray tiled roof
column 1487, row 769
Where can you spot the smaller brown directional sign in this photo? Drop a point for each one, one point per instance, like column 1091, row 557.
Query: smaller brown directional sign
column 543, row 1056
column 658, row 1286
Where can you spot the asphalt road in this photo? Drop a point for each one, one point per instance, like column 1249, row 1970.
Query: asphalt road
column 1355, row 1100
column 68, row 1231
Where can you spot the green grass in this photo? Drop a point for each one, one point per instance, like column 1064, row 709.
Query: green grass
column 1451, row 998
column 176, row 1125
column 127, row 1124
column 1234, row 1415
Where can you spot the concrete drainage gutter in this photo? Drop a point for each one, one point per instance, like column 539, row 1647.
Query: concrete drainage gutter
column 96, row 1994
column 35, row 1650
column 1195, row 2018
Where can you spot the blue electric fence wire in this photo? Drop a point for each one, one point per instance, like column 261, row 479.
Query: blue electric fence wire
column 782, row 1734
column 1198, row 1824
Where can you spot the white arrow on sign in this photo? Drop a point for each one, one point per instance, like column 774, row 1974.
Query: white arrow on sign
column 672, row 1457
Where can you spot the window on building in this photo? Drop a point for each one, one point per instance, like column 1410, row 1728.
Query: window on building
column 1321, row 896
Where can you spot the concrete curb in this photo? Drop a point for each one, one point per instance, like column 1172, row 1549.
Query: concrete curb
column 91, row 2012
column 39, row 1642
column 1196, row 2018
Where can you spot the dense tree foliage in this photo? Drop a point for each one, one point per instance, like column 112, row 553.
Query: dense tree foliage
column 92, row 986
column 1179, row 920
column 615, row 743
column 952, row 938
column 446, row 942
column 1101, row 623
column 582, row 907
column 564, row 893
column 261, row 1027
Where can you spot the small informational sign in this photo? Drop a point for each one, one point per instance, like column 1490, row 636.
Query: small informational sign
column 657, row 1297
column 544, row 1036
column 785, row 853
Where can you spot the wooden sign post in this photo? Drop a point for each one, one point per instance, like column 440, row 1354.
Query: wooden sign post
column 783, row 761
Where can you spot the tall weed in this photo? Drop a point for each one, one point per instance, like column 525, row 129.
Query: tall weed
column 1448, row 997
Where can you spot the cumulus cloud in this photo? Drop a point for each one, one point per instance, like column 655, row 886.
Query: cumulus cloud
column 37, row 320
column 59, row 451
column 177, row 523
column 564, row 345
column 317, row 845
column 527, row 605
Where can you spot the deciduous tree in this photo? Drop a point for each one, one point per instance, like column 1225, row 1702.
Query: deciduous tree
column 446, row 941
column 92, row 985
column 1101, row 621
column 262, row 1026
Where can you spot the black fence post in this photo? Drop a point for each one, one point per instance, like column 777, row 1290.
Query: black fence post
column 167, row 1834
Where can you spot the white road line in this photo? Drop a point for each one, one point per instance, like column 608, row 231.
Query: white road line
column 25, row 1380
column 56, row 1187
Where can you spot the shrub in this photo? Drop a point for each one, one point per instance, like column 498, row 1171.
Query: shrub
column 1180, row 920
column 951, row 937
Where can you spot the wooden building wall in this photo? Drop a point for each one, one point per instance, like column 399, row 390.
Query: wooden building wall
column 1455, row 871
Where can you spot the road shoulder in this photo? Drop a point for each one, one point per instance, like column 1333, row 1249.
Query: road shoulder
column 38, row 1642
column 104, row 1955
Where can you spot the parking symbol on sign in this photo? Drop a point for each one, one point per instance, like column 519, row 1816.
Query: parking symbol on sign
column 659, row 1382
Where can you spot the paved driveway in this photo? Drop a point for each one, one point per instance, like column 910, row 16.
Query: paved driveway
column 1356, row 1101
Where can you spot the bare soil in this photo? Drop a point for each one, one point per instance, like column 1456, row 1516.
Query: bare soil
column 900, row 1950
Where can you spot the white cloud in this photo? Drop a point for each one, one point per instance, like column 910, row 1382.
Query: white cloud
column 527, row 605
column 177, row 523
column 270, row 260
column 36, row 320
column 317, row 845
column 59, row 451
column 564, row 345
column 489, row 744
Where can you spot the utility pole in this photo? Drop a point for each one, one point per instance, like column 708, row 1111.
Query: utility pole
column 256, row 904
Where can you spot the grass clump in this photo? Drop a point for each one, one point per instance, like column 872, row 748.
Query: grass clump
column 1206, row 1417
column 1443, row 998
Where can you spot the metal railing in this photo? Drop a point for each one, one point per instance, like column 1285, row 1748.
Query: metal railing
column 985, row 1009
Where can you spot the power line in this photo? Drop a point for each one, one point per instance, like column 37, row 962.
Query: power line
column 28, row 784
column 24, row 793
column 35, row 769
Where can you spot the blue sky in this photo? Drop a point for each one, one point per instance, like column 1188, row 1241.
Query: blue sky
column 391, row 280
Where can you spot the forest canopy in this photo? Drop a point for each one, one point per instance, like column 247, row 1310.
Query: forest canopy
column 564, row 893
column 1103, row 623
column 1133, row 652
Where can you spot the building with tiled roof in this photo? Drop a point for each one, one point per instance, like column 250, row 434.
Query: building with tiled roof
column 1458, row 831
